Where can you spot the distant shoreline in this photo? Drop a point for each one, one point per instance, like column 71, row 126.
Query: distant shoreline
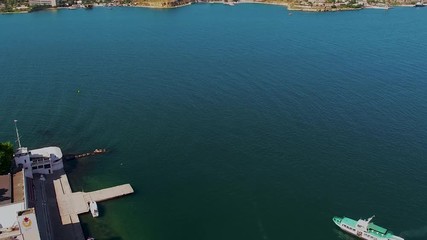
column 17, row 12
column 159, row 7
column 290, row 7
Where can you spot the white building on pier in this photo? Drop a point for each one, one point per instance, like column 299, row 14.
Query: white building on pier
column 41, row 160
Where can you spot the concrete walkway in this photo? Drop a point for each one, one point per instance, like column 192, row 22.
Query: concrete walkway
column 71, row 204
column 47, row 212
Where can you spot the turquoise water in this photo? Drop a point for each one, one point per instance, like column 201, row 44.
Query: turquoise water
column 237, row 122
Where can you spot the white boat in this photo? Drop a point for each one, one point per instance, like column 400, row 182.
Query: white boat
column 419, row 4
column 93, row 209
column 364, row 229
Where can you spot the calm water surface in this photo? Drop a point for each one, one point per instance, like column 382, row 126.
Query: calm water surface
column 229, row 122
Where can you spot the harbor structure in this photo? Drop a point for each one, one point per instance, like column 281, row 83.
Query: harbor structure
column 42, row 160
column 17, row 221
column 71, row 204
column 48, row 188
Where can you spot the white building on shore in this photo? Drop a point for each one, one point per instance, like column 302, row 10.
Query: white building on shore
column 17, row 221
column 43, row 2
column 42, row 160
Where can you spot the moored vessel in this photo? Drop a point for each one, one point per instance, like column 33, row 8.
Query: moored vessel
column 419, row 4
column 93, row 209
column 364, row 229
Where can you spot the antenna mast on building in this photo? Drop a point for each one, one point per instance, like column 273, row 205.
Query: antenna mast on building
column 17, row 134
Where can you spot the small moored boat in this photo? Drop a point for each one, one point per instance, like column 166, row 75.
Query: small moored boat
column 93, row 209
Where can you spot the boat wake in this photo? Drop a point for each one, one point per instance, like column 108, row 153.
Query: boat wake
column 260, row 225
column 261, row 230
column 415, row 233
column 343, row 236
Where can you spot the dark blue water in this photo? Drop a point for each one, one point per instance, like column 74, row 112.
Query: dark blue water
column 229, row 122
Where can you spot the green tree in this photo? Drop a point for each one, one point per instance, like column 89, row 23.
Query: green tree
column 6, row 157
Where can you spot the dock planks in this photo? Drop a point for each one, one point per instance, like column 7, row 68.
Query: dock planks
column 71, row 204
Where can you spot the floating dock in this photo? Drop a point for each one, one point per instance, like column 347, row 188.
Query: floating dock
column 71, row 204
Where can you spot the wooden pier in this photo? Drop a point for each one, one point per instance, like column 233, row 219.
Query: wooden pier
column 71, row 204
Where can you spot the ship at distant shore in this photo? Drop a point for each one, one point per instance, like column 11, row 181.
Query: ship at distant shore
column 364, row 229
column 419, row 4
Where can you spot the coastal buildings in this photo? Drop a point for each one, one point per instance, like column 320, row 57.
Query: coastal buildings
column 38, row 200
column 42, row 160
column 43, row 2
column 17, row 221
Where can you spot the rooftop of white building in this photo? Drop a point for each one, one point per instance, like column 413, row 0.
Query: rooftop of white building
column 6, row 188
column 10, row 205
column 8, row 214
column 45, row 152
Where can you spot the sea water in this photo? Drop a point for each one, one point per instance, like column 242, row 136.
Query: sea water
column 242, row 122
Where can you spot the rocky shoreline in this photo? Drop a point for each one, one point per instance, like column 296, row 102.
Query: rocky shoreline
column 318, row 6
